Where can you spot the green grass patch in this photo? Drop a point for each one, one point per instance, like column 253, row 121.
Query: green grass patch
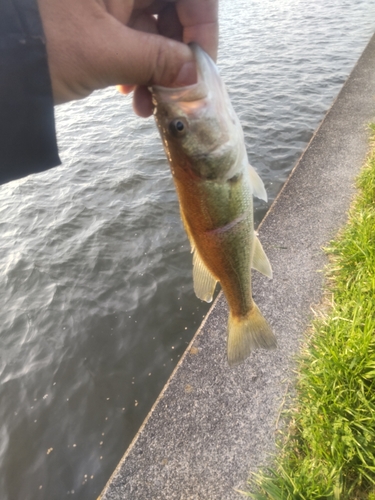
column 328, row 450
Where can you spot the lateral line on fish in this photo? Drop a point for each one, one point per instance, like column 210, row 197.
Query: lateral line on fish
column 228, row 226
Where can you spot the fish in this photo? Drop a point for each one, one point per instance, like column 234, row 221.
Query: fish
column 205, row 146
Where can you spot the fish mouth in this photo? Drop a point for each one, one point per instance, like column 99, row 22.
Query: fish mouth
column 207, row 79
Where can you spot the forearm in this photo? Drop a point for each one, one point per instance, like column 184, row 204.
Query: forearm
column 27, row 128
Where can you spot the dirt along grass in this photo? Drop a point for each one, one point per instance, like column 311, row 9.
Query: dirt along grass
column 328, row 448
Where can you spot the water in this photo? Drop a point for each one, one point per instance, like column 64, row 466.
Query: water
column 95, row 269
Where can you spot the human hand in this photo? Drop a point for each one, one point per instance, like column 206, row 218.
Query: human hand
column 92, row 44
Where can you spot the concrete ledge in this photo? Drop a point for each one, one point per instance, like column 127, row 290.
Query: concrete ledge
column 211, row 424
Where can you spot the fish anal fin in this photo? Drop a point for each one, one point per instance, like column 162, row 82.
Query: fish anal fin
column 260, row 260
column 257, row 184
column 204, row 282
column 246, row 334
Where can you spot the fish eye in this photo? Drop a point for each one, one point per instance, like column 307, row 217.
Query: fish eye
column 178, row 127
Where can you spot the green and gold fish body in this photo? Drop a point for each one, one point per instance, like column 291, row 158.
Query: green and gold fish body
column 204, row 143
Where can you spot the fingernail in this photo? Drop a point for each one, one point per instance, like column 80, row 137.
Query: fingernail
column 187, row 75
column 125, row 89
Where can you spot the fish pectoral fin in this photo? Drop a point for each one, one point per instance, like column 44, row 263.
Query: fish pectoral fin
column 204, row 282
column 260, row 260
column 258, row 187
column 187, row 230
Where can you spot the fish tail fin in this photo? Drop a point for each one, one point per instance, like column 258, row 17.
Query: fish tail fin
column 248, row 333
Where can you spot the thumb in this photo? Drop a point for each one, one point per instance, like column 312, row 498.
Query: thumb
column 89, row 49
column 131, row 57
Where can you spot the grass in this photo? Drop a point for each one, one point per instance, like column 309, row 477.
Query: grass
column 328, row 450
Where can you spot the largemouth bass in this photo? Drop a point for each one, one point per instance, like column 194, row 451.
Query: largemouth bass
column 205, row 146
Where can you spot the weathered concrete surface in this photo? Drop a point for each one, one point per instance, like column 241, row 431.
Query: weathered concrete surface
column 212, row 425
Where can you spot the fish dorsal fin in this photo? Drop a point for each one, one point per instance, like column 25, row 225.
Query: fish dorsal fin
column 257, row 185
column 204, row 282
column 260, row 260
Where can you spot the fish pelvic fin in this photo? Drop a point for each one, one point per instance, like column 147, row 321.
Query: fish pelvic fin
column 257, row 184
column 248, row 333
column 260, row 260
column 187, row 230
column 204, row 282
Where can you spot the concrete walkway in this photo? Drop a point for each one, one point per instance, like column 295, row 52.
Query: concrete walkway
column 211, row 424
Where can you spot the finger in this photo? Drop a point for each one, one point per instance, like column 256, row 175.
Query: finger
column 158, row 5
column 142, row 102
column 142, row 4
column 119, row 9
column 199, row 19
column 143, row 22
column 125, row 89
column 169, row 24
